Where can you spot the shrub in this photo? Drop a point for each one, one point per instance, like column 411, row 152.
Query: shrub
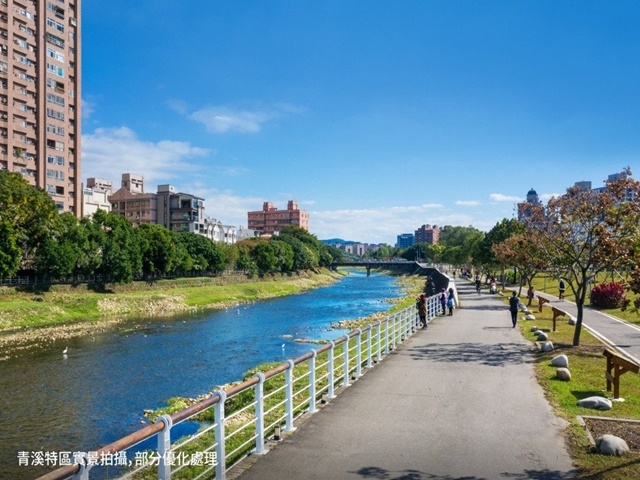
column 607, row 295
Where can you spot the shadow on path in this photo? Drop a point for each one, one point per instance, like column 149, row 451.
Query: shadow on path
column 384, row 474
column 495, row 355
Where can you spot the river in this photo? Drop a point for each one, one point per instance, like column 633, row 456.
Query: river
column 96, row 393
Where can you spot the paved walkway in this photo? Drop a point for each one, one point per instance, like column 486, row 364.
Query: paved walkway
column 457, row 401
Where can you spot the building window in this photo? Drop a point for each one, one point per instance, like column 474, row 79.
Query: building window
column 53, row 24
column 51, row 53
column 56, row 70
column 55, row 40
column 53, row 98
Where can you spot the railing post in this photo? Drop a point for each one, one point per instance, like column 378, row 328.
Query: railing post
column 395, row 334
column 379, row 349
column 359, row 353
column 386, row 337
column 289, row 397
column 369, row 346
column 312, row 382
column 259, row 399
column 330, row 393
column 85, row 466
column 221, row 470
column 164, row 449
column 345, row 354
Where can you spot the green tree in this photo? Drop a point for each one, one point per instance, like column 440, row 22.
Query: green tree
column 483, row 254
column 122, row 248
column 284, row 255
column 159, row 252
column 29, row 212
column 264, row 256
column 10, row 251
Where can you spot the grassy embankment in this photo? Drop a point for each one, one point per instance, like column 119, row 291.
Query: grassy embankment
column 65, row 311
column 587, row 366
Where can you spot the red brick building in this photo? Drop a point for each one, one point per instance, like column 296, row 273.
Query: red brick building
column 270, row 220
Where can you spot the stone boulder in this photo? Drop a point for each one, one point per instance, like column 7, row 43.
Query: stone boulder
column 563, row 374
column 596, row 403
column 534, row 329
column 572, row 320
column 529, row 316
column 611, row 445
column 542, row 337
column 560, row 361
column 547, row 347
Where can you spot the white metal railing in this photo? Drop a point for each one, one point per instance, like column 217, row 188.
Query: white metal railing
column 239, row 420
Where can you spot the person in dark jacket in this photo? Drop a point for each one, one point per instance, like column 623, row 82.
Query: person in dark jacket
column 421, row 305
column 514, row 301
column 443, row 301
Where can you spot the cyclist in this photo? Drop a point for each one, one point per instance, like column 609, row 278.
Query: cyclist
column 478, row 283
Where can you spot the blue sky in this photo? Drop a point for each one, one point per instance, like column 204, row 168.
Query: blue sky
column 376, row 116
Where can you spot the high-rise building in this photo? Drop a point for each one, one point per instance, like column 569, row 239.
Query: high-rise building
column 40, row 79
column 270, row 220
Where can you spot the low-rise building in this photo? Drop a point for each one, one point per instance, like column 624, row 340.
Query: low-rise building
column 95, row 196
column 405, row 240
column 270, row 220
column 427, row 234
column 180, row 212
column 132, row 202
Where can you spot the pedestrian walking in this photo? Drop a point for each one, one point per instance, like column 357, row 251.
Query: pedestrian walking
column 514, row 301
column 443, row 301
column 450, row 301
column 561, row 288
column 421, row 305
column 530, row 294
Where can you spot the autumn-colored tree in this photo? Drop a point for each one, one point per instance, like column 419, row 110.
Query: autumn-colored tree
column 521, row 251
column 587, row 231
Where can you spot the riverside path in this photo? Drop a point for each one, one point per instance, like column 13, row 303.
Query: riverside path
column 611, row 330
column 456, row 401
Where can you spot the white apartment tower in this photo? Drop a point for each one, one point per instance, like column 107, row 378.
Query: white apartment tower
column 40, row 96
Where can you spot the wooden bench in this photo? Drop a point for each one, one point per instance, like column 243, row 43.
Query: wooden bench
column 557, row 313
column 541, row 302
column 617, row 365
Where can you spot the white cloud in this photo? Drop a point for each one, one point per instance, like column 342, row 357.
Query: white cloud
column 109, row 152
column 467, row 203
column 547, row 196
column 223, row 119
column 88, row 107
column 499, row 197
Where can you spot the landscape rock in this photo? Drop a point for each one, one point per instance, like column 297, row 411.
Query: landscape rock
column 547, row 346
column 529, row 316
column 560, row 361
column 611, row 445
column 596, row 403
column 542, row 337
column 534, row 329
column 563, row 374
column 572, row 320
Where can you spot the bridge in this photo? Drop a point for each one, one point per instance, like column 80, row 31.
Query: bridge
column 408, row 265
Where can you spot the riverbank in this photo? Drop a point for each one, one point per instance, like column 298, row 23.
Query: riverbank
column 29, row 320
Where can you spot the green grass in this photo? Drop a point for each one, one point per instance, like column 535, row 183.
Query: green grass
column 63, row 305
column 587, row 367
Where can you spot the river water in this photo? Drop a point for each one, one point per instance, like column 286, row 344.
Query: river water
column 96, row 393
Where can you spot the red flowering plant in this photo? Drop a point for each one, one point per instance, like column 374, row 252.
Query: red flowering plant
column 607, row 295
